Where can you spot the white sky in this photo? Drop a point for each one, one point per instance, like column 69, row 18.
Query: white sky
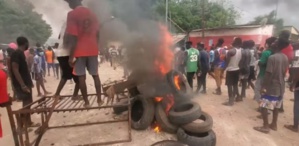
column 54, row 11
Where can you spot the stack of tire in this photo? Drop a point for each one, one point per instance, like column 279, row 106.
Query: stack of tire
column 192, row 125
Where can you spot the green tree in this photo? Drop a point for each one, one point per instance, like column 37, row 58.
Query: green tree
column 17, row 18
column 188, row 14
column 269, row 19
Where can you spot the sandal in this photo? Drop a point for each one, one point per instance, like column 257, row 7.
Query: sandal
column 292, row 128
column 262, row 129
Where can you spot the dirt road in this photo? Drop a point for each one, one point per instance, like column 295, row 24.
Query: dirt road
column 233, row 125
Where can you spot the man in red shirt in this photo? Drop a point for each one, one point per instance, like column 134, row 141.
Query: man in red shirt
column 82, row 36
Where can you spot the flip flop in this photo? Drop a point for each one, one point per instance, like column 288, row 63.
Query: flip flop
column 292, row 128
column 262, row 129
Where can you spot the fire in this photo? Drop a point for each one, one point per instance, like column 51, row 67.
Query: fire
column 157, row 129
column 165, row 56
column 158, row 99
column 170, row 103
column 176, row 82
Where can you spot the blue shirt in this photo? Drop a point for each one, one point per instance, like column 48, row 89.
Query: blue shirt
column 37, row 62
column 212, row 56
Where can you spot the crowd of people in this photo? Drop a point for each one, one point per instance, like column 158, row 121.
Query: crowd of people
column 239, row 64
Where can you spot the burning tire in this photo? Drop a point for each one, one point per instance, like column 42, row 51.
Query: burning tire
column 184, row 113
column 121, row 108
column 203, row 127
column 163, row 121
column 202, row 139
column 143, row 110
column 178, row 82
column 168, row 143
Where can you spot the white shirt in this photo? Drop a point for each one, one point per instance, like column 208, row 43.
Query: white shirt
column 234, row 61
column 61, row 51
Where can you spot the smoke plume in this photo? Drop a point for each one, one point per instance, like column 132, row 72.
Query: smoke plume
column 133, row 26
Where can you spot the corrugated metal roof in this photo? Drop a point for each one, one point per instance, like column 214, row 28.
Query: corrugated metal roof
column 178, row 37
column 229, row 27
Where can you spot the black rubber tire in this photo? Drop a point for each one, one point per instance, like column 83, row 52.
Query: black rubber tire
column 120, row 109
column 148, row 113
column 162, row 120
column 170, row 78
column 168, row 143
column 204, row 139
column 184, row 113
column 203, row 127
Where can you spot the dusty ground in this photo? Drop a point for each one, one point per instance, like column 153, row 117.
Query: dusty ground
column 233, row 125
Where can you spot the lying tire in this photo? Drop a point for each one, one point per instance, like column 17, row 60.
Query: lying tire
column 120, row 109
column 183, row 83
column 184, row 113
column 168, row 143
column 196, row 127
column 203, row 139
column 142, row 112
column 162, row 120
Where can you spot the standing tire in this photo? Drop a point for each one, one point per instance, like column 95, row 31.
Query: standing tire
column 168, row 143
column 162, row 120
column 203, row 139
column 120, row 106
column 184, row 113
column 203, row 127
column 142, row 112
column 183, row 83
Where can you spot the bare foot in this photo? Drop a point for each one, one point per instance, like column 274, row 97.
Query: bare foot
column 39, row 95
column 273, row 127
column 87, row 105
column 100, row 102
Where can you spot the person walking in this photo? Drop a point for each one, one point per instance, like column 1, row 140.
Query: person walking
column 50, row 59
column 273, row 87
column 204, row 64
column 38, row 73
column 232, row 74
column 56, row 63
column 20, row 76
column 253, row 59
column 82, row 38
column 294, row 87
column 62, row 55
column 262, row 67
column 180, row 60
column 192, row 55
column 219, row 65
column 244, row 66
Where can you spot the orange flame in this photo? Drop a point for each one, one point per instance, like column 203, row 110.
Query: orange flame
column 165, row 56
column 158, row 99
column 157, row 129
column 170, row 103
column 176, row 82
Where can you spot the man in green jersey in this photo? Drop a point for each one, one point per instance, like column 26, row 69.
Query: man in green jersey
column 191, row 62
column 262, row 64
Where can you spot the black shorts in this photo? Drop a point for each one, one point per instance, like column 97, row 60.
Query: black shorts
column 24, row 96
column 252, row 74
column 232, row 78
column 66, row 69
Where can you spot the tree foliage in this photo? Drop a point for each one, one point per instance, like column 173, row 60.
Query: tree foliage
column 270, row 19
column 17, row 18
column 188, row 14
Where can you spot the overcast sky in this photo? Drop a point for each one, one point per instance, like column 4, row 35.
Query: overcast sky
column 251, row 8
column 54, row 11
